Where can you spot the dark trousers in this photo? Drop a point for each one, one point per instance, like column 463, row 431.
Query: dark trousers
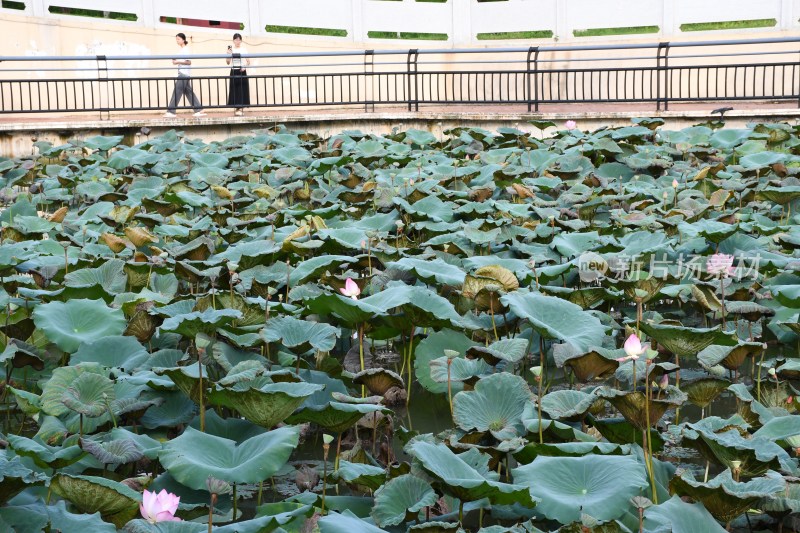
column 239, row 93
column 183, row 87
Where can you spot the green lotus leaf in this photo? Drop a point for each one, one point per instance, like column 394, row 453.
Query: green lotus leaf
column 345, row 522
column 312, row 268
column 121, row 451
column 190, row 324
column 754, row 455
column 267, row 404
column 431, row 348
column 788, row 295
column 725, row 498
column 495, row 405
column 782, row 504
column 15, row 477
column 510, row 350
column 44, row 455
column 118, row 351
column 59, row 382
column 467, row 476
column 361, row 474
column 458, row 370
column 620, row 431
column 599, row 486
column 595, row 365
column 567, row 404
column 702, row 391
column 420, row 306
column 779, row 428
column 27, row 402
column 680, row 517
column 187, row 379
column 293, row 332
column 194, row 456
column 569, row 449
column 89, row 394
column 68, row 324
column 351, row 312
column 115, row 502
column 558, row 319
column 632, row 404
column 109, row 278
column 431, row 270
column 731, row 357
column 67, row 522
column 684, row 341
column 378, row 380
column 401, row 499
column 436, row 527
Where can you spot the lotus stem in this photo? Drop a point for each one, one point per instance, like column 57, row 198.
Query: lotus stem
column 338, row 451
column 361, row 356
column 641, row 520
column 760, row 365
column 325, row 448
column 410, row 352
column 491, row 312
column 80, row 427
column 633, row 384
column 449, row 388
column 649, row 437
column 705, row 477
column 260, row 492
column 461, row 511
column 722, row 300
column 66, row 262
column 234, row 502
column 202, row 409
column 212, row 501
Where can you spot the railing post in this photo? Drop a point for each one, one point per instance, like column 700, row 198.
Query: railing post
column 662, row 53
column 102, row 80
column 369, row 79
column 532, row 73
column 411, row 68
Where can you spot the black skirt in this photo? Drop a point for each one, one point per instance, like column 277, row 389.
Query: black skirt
column 239, row 94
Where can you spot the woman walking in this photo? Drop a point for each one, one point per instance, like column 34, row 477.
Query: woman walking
column 183, row 84
column 239, row 93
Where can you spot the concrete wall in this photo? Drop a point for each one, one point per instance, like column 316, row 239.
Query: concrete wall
column 460, row 20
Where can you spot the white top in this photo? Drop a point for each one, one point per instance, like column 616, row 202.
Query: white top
column 185, row 70
column 236, row 62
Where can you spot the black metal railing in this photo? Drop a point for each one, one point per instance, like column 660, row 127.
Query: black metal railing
column 660, row 73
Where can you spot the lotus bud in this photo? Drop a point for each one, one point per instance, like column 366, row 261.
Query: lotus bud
column 663, row 383
column 789, row 400
column 674, row 184
column 411, row 181
column 451, row 354
column 570, row 124
column 363, row 244
column 217, row 486
column 664, row 195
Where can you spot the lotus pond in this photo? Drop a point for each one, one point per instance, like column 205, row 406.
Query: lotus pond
column 494, row 331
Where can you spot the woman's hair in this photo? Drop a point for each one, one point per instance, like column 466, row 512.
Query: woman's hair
column 182, row 36
column 237, row 36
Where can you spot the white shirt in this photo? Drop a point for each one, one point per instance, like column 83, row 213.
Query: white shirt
column 184, row 70
column 237, row 62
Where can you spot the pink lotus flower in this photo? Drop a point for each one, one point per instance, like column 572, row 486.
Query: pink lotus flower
column 633, row 347
column 350, row 289
column 159, row 507
column 720, row 264
column 663, row 383
column 570, row 124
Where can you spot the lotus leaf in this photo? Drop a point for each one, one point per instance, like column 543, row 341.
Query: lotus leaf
column 599, row 486
column 557, row 319
column 401, row 499
column 267, row 404
column 466, row 476
column 495, row 405
column 632, row 404
column 194, row 456
column 725, row 498
column 115, row 502
column 567, row 404
column 68, row 324
column 680, row 517
column 293, row 332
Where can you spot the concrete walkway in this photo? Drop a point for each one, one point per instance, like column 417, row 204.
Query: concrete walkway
column 19, row 131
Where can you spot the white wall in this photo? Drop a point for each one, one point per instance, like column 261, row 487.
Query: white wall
column 461, row 20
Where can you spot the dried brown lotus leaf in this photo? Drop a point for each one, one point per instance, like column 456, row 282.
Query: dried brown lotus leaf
column 116, row 244
column 139, row 236
column 59, row 215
